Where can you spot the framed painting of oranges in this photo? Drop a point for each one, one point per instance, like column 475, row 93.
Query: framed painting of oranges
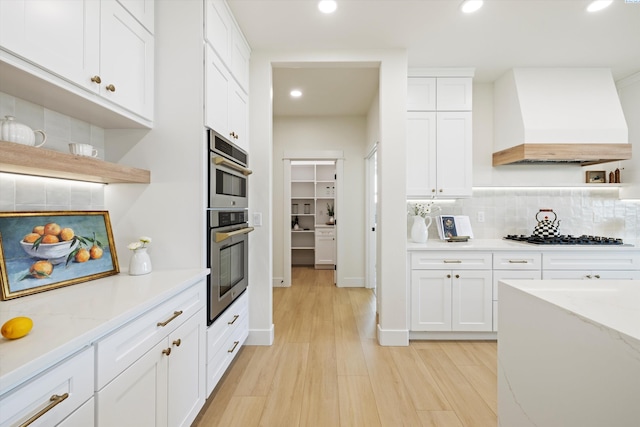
column 40, row 251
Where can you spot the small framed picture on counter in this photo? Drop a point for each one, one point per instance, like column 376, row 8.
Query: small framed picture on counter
column 40, row 251
column 596, row 177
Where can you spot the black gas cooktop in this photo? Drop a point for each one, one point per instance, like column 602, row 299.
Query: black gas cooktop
column 565, row 240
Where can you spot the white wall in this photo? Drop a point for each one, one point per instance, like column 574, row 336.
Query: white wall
column 171, row 208
column 347, row 134
column 393, row 327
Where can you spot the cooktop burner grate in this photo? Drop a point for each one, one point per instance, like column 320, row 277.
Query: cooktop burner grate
column 565, row 240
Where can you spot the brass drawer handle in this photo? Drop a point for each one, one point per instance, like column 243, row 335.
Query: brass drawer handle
column 96, row 79
column 166, row 351
column 452, row 261
column 518, row 261
column 166, row 322
column 177, row 342
column 111, row 88
column 234, row 319
column 235, row 344
column 55, row 400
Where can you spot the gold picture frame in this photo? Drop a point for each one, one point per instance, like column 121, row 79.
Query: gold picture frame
column 45, row 250
column 596, row 177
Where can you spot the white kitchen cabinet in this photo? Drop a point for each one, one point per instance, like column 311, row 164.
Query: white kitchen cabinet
column 165, row 387
column 226, row 39
column 59, row 36
column 439, row 143
column 226, row 108
column 451, row 291
column 591, row 266
column 439, row 94
column 514, row 266
column 142, row 10
column 325, row 247
column 54, row 394
column 225, row 337
column 151, row 371
column 97, row 46
column 126, row 60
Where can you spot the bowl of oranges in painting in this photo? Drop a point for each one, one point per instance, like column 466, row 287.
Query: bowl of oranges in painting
column 50, row 242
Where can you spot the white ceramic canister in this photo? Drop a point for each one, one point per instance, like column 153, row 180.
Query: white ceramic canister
column 12, row 131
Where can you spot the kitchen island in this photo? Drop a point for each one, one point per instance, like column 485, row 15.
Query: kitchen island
column 569, row 353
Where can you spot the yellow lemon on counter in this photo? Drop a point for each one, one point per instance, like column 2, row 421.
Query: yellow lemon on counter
column 17, row 327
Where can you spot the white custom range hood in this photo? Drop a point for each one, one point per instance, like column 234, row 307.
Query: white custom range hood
column 558, row 115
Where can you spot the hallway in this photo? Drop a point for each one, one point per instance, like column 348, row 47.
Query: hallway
column 326, row 369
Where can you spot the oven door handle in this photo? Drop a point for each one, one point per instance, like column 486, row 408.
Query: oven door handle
column 219, row 160
column 224, row 236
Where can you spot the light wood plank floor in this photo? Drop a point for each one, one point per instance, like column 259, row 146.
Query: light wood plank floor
column 326, row 369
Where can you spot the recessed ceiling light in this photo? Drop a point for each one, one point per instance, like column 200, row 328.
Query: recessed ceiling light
column 327, row 6
column 295, row 93
column 470, row 6
column 597, row 5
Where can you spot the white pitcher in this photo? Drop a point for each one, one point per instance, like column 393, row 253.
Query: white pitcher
column 12, row 131
column 420, row 228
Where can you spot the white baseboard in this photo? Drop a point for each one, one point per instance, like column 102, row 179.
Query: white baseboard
column 424, row 335
column 278, row 282
column 351, row 282
column 260, row 336
column 394, row 338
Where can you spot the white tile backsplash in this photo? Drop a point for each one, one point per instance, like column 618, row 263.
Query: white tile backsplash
column 513, row 211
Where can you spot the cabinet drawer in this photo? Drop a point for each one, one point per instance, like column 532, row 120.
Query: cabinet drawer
column 127, row 344
column 517, row 261
column 591, row 261
column 325, row 232
column 450, row 260
column 231, row 327
column 72, row 377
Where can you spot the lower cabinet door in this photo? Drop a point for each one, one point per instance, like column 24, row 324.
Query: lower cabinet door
column 431, row 300
column 138, row 396
column 186, row 376
column 472, row 298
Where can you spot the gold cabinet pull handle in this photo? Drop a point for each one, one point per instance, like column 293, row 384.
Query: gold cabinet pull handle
column 96, row 79
column 166, row 322
column 177, row 342
column 452, row 261
column 234, row 135
column 111, row 88
column 55, row 400
column 457, row 276
column 448, row 276
column 219, row 160
column 224, row 236
column 235, row 317
column 167, row 351
column 235, row 344
column 597, row 276
column 518, row 261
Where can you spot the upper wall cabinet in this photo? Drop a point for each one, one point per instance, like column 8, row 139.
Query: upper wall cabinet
column 439, row 94
column 226, row 39
column 81, row 57
column 439, row 137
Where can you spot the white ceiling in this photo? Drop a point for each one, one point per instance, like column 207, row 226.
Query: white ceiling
column 502, row 35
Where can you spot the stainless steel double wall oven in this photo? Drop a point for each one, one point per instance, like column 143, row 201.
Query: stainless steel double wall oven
column 227, row 223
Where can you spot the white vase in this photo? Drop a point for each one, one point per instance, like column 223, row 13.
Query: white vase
column 140, row 262
column 420, row 229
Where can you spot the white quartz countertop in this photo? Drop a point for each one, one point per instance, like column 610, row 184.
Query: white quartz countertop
column 67, row 319
column 508, row 245
column 614, row 304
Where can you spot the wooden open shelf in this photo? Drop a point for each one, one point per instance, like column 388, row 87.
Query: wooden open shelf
column 583, row 154
column 27, row 160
